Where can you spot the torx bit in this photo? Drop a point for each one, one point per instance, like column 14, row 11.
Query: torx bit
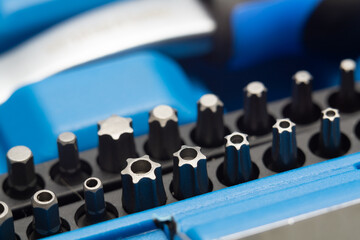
column 116, row 143
column 190, row 176
column 7, row 231
column 302, row 106
column 143, row 186
column 347, row 99
column 22, row 180
column 237, row 166
column 47, row 220
column 164, row 137
column 330, row 134
column 284, row 148
column 95, row 206
column 209, row 131
column 256, row 120
column 69, row 162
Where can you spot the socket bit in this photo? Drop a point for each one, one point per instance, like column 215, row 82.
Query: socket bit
column 21, row 172
column 237, row 166
column 347, row 94
column 190, row 176
column 143, row 186
column 330, row 135
column 95, row 206
column 210, row 131
column 7, row 231
column 116, row 143
column 164, row 136
column 69, row 162
column 302, row 106
column 47, row 220
column 256, row 120
column 284, row 148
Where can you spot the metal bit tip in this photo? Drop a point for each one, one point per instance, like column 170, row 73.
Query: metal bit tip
column 237, row 165
column 209, row 101
column 190, row 176
column 163, row 114
column 255, row 88
column 142, row 185
column 6, row 222
column 94, row 199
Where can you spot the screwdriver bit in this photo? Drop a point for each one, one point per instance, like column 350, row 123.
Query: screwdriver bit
column 330, row 135
column 190, row 176
column 256, row 120
column 95, row 206
column 116, row 143
column 69, row 162
column 164, row 137
column 347, row 98
column 284, row 147
column 237, row 167
column 209, row 131
column 22, row 179
column 302, row 108
column 47, row 220
column 69, row 170
column 143, row 186
column 7, row 231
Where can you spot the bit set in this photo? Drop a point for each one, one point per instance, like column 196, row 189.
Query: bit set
column 128, row 174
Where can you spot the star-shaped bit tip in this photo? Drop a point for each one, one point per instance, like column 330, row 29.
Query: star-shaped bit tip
column 139, row 168
column 284, row 125
column 236, row 139
column 210, row 101
column 115, row 126
column 302, row 77
column 330, row 113
column 189, row 155
column 255, row 88
column 163, row 114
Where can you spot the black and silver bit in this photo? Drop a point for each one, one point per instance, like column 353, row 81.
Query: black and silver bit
column 7, row 231
column 69, row 161
column 116, row 143
column 143, row 186
column 210, row 129
column 256, row 119
column 330, row 134
column 302, row 109
column 47, row 220
column 237, row 166
column 95, row 205
column 347, row 98
column 284, row 150
column 22, row 180
column 190, row 177
column 69, row 170
column 164, row 136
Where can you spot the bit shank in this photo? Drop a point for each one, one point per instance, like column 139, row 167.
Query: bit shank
column 330, row 134
column 116, row 143
column 190, row 176
column 164, row 136
column 143, row 187
column 69, row 162
column 284, row 147
column 256, row 117
column 46, row 213
column 209, row 131
column 237, row 167
column 21, row 170
column 7, row 231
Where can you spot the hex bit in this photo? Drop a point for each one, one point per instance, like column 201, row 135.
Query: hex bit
column 95, row 206
column 7, row 231
column 47, row 220
column 330, row 134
